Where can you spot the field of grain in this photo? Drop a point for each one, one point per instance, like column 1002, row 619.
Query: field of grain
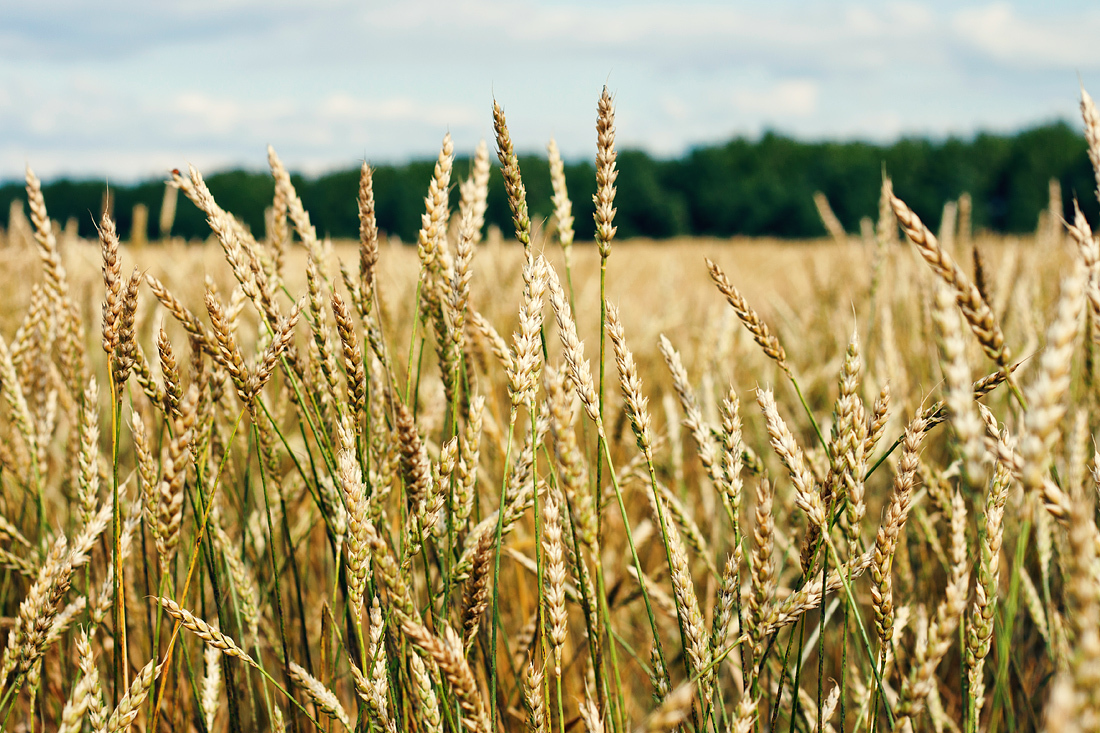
column 279, row 483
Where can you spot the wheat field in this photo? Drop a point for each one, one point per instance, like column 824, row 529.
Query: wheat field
column 275, row 482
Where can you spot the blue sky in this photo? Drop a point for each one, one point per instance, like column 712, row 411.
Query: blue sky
column 130, row 88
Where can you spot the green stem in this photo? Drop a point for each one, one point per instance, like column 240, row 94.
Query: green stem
column 496, row 571
column 813, row 420
column 192, row 563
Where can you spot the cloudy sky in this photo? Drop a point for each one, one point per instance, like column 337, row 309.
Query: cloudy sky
column 130, row 88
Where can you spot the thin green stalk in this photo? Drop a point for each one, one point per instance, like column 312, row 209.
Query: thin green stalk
column 538, row 531
column 597, row 489
column 813, row 420
column 1010, row 607
column 412, row 344
column 116, row 549
column 194, row 559
column 496, row 571
column 821, row 637
column 668, row 557
column 862, row 630
column 633, row 549
column 586, row 602
column 276, row 572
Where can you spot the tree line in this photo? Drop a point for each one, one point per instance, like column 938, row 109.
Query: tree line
column 747, row 187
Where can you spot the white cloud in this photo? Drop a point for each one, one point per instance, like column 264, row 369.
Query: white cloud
column 84, row 86
column 344, row 107
column 1046, row 40
column 788, row 98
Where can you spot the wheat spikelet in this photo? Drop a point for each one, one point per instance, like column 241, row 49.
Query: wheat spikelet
column 85, row 700
column 11, row 386
column 920, row 681
column 671, row 712
column 763, row 573
column 130, row 705
column 415, row 464
column 325, row 700
column 759, row 330
column 886, row 540
column 693, row 417
column 1045, row 395
column 729, row 588
column 734, row 455
column 432, row 236
column 554, row 581
column 428, row 704
column 355, row 499
column 459, row 287
column 533, row 698
column 807, row 497
column 207, row 633
column 112, row 282
column 526, row 358
column 629, row 381
column 604, row 198
column 56, row 282
column 379, row 681
column 880, row 415
column 88, row 493
column 563, row 207
column 496, row 342
column 469, row 458
column 169, row 509
column 321, row 352
column 956, row 371
column 211, row 684
column 26, row 642
column 579, row 370
column 976, row 311
column 687, row 601
column 80, row 553
column 829, row 219
column 229, row 352
column 191, row 324
column 295, row 210
column 368, row 237
column 513, row 182
column 746, row 715
column 126, row 347
column 479, row 185
column 1092, row 133
column 280, row 345
column 476, row 592
column 447, row 653
column 980, row 628
column 590, row 714
column 849, row 443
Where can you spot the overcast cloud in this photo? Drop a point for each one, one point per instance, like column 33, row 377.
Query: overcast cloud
column 129, row 89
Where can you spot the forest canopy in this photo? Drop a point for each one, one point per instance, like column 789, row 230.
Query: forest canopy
column 746, row 187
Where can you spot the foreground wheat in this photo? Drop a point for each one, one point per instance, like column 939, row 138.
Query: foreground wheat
column 298, row 494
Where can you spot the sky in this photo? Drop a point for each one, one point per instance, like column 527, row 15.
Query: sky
column 128, row 89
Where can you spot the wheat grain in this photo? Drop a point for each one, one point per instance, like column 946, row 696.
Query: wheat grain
column 563, row 207
column 130, row 705
column 604, row 199
column 756, row 326
column 513, row 182
column 976, row 311
column 325, row 700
